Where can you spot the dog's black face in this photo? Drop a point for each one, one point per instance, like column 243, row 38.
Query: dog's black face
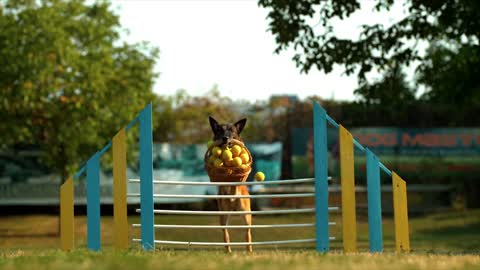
column 224, row 133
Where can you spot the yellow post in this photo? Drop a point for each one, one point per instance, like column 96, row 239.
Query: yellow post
column 400, row 208
column 348, row 191
column 66, row 215
column 120, row 226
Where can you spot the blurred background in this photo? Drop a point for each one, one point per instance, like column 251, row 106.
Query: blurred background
column 402, row 76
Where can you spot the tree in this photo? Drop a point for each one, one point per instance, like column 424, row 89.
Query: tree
column 188, row 120
column 377, row 46
column 67, row 82
column 182, row 118
column 391, row 90
column 164, row 117
column 451, row 75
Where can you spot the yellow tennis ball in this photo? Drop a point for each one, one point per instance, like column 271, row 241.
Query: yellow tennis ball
column 244, row 166
column 211, row 159
column 217, row 163
column 216, row 151
column 226, row 155
column 236, row 150
column 259, row 176
column 228, row 162
column 237, row 161
column 245, row 158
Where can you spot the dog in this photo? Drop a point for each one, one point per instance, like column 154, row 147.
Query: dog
column 223, row 134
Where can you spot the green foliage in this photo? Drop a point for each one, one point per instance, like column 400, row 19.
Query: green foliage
column 390, row 97
column 192, row 113
column 391, row 90
column 67, row 81
column 320, row 47
column 184, row 119
column 378, row 46
column 163, row 118
column 451, row 75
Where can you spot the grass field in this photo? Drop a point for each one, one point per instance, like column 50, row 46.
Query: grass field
column 440, row 241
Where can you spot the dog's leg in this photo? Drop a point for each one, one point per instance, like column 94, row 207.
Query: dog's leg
column 248, row 221
column 226, row 236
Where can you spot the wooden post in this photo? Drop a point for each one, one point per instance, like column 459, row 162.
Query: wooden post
column 120, row 223
column 400, row 207
column 321, row 178
column 67, row 215
column 347, row 172
column 375, row 233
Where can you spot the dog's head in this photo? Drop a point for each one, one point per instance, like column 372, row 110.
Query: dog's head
column 224, row 133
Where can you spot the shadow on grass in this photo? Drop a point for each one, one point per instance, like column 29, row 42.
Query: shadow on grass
column 234, row 249
column 5, row 234
column 463, row 237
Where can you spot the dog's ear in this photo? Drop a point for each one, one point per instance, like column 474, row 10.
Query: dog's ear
column 240, row 124
column 213, row 124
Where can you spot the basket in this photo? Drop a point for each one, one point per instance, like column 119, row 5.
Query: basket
column 228, row 174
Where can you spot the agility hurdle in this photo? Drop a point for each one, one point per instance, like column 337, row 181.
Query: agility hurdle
column 347, row 144
column 92, row 170
column 321, row 210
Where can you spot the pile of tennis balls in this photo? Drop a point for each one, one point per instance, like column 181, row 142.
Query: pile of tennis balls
column 235, row 156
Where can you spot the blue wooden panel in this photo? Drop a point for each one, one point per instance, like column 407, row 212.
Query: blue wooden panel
column 374, row 203
column 146, row 179
column 321, row 177
column 93, row 202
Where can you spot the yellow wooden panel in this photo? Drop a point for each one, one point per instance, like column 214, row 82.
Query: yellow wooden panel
column 348, row 191
column 404, row 211
column 66, row 215
column 402, row 239
column 120, row 227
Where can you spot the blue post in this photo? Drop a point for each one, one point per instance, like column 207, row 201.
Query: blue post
column 374, row 203
column 321, row 177
column 146, row 179
column 93, row 202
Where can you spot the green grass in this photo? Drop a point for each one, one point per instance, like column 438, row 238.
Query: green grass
column 448, row 240
column 289, row 259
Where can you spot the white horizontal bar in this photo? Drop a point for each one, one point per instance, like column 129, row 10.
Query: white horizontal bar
column 310, row 240
column 190, row 183
column 173, row 226
column 290, row 195
column 264, row 212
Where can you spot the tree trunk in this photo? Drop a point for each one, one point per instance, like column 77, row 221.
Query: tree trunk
column 287, row 147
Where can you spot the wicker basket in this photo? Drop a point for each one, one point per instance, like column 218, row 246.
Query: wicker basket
column 228, row 174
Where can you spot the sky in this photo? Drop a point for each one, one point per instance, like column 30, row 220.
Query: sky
column 203, row 43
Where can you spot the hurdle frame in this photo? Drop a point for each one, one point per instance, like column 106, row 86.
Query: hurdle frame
column 321, row 209
column 92, row 171
column 400, row 206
